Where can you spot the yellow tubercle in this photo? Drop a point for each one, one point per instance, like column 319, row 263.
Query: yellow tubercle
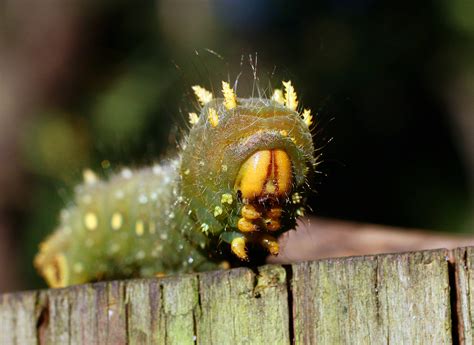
column 278, row 96
column 202, row 94
column 291, row 100
column 307, row 117
column 193, row 118
column 230, row 100
column 212, row 117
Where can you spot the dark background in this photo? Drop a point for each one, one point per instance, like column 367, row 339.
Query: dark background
column 105, row 84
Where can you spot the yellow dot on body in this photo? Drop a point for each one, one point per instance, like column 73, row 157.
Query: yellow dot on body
column 217, row 211
column 139, row 228
column 90, row 221
column 116, row 221
column 226, row 198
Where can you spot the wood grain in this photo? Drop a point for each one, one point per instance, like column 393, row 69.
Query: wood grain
column 379, row 299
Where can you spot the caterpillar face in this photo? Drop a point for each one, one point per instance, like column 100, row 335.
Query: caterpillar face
column 245, row 167
column 239, row 182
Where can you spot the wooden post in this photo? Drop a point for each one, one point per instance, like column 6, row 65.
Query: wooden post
column 410, row 298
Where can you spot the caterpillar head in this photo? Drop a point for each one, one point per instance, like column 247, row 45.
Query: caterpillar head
column 245, row 167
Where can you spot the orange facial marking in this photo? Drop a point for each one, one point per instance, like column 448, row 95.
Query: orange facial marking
column 253, row 174
column 266, row 172
column 282, row 171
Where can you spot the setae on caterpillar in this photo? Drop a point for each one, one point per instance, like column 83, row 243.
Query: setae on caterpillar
column 238, row 183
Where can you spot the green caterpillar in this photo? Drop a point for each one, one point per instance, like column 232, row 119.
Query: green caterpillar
column 238, row 183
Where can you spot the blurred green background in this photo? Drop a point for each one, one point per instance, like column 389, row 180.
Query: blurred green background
column 103, row 84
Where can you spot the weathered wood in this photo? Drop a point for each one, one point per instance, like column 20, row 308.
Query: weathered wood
column 397, row 298
column 387, row 299
column 240, row 307
column 463, row 259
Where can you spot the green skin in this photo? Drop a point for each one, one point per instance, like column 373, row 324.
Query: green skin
column 167, row 212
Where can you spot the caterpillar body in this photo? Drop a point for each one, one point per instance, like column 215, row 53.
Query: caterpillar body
column 239, row 182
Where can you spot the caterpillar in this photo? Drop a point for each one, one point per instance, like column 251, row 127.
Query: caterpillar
column 239, row 181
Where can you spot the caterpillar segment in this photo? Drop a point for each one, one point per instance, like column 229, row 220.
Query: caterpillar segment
column 266, row 148
column 239, row 182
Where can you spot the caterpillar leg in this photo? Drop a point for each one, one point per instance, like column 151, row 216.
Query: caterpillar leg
column 239, row 248
column 269, row 242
